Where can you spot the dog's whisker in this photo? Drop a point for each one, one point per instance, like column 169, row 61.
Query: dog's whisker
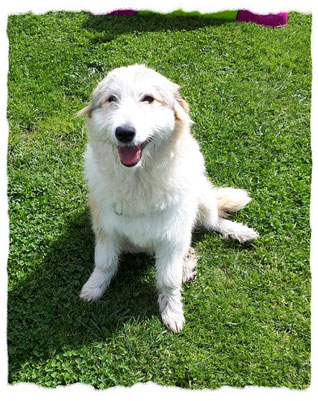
column 147, row 155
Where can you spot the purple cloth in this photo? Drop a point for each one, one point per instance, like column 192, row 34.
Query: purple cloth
column 127, row 13
column 271, row 20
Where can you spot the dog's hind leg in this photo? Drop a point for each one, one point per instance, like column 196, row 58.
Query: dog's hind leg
column 232, row 229
column 189, row 266
column 214, row 205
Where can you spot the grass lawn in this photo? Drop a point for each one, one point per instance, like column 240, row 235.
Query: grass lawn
column 248, row 311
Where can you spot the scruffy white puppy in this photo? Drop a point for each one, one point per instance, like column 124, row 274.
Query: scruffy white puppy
column 147, row 184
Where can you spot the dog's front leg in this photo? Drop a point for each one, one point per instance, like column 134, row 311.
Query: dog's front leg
column 169, row 269
column 106, row 261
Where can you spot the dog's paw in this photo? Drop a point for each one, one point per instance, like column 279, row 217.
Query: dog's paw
column 174, row 322
column 189, row 266
column 171, row 312
column 95, row 286
column 242, row 234
column 248, row 234
column 91, row 294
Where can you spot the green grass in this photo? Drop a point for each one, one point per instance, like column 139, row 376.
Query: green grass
column 248, row 312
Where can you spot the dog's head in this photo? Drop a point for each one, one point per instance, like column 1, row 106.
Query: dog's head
column 133, row 107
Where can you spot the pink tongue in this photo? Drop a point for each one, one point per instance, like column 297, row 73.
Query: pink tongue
column 129, row 155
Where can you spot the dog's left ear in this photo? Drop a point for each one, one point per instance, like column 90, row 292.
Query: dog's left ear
column 181, row 108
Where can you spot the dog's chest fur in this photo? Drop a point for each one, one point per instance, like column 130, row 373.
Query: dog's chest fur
column 140, row 205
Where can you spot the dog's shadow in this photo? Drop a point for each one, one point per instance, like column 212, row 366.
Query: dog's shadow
column 45, row 313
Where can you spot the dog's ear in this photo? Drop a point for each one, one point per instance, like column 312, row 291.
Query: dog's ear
column 181, row 107
column 98, row 98
column 86, row 111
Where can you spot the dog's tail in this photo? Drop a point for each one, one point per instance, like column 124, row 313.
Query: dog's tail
column 231, row 200
column 215, row 217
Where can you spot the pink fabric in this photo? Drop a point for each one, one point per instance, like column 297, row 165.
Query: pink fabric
column 271, row 20
column 127, row 13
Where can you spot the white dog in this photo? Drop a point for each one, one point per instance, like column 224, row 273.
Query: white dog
column 147, row 184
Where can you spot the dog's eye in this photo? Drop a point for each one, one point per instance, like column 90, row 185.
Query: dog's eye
column 112, row 98
column 148, row 99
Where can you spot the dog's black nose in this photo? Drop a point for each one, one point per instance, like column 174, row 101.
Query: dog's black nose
column 125, row 133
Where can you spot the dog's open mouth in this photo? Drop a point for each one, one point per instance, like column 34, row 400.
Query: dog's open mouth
column 131, row 155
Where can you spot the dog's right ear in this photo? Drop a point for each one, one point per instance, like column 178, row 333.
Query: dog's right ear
column 87, row 111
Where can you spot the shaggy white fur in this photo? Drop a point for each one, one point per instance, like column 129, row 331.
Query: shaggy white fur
column 147, row 184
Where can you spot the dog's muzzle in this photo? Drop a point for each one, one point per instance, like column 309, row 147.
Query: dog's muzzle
column 129, row 155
